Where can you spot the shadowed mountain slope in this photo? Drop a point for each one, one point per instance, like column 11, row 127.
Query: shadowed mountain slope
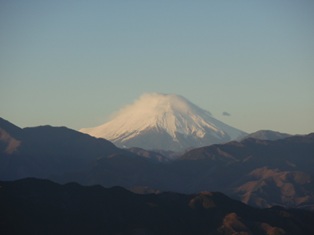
column 47, row 151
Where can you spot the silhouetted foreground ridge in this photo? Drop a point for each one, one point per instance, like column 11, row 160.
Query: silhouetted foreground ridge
column 33, row 206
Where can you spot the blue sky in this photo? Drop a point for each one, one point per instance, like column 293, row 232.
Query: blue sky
column 73, row 63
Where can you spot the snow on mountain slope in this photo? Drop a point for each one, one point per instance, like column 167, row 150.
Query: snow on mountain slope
column 162, row 121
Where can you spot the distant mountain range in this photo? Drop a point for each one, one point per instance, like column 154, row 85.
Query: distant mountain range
column 261, row 173
column 264, row 172
column 33, row 206
column 266, row 135
column 164, row 122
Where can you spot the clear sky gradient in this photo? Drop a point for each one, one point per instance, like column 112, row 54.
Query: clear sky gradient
column 73, row 63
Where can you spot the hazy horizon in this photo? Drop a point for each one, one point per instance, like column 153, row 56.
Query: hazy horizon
column 70, row 63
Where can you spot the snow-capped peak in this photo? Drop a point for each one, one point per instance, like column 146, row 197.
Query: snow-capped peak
column 167, row 113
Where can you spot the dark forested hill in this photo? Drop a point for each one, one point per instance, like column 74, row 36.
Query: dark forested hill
column 32, row 206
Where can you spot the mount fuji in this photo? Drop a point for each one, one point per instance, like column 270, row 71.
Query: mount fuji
column 164, row 122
